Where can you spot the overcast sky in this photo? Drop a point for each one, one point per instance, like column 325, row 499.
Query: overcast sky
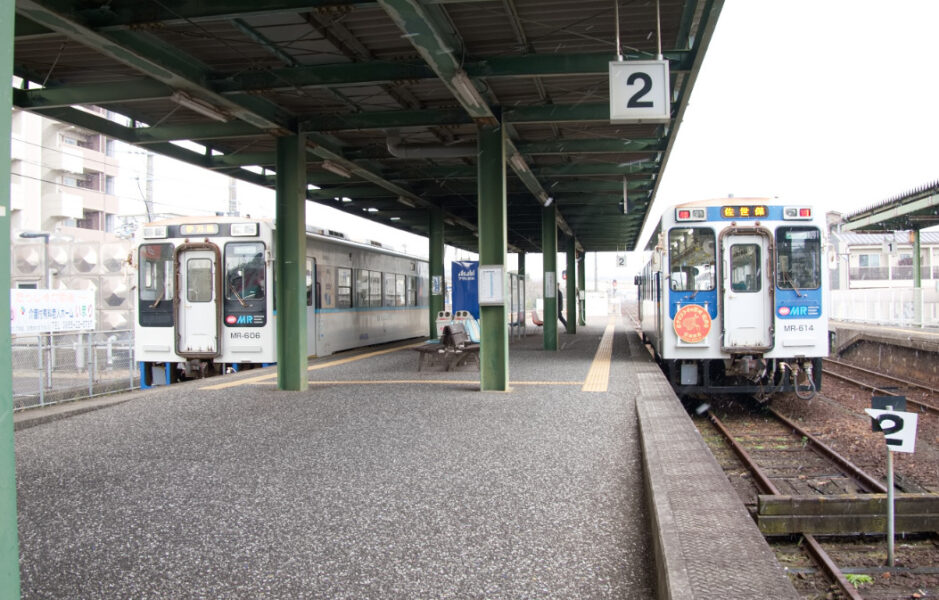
column 830, row 102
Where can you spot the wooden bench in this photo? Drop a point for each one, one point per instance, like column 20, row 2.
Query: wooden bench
column 454, row 348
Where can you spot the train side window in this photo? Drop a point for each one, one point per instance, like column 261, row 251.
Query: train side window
column 309, row 282
column 692, row 259
column 361, row 288
column 388, row 289
column 400, row 290
column 798, row 258
column 374, row 288
column 343, row 288
column 411, row 291
column 745, row 275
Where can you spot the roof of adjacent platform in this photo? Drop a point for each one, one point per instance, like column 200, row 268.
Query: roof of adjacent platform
column 916, row 209
column 391, row 92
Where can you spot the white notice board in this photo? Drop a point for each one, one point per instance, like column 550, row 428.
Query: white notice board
column 491, row 285
column 45, row 311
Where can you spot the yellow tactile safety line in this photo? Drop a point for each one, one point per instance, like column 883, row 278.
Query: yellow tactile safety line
column 429, row 382
column 598, row 378
column 333, row 363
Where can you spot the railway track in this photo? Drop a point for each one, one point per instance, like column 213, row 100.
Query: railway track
column 786, row 466
column 923, row 405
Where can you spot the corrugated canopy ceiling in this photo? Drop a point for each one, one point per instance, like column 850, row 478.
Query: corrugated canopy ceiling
column 389, row 93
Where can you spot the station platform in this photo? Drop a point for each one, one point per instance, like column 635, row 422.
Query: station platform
column 585, row 480
column 907, row 352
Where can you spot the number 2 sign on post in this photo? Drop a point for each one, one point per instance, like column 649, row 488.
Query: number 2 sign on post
column 639, row 91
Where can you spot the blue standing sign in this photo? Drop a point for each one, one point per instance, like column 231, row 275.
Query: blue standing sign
column 465, row 286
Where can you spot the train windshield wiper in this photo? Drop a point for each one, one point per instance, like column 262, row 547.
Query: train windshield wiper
column 159, row 298
column 237, row 297
column 792, row 283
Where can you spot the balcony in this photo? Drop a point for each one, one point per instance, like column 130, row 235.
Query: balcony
column 62, row 204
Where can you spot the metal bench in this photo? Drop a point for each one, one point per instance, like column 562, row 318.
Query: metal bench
column 453, row 349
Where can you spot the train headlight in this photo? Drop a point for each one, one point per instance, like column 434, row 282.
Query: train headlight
column 244, row 229
column 691, row 214
column 797, row 213
column 154, row 232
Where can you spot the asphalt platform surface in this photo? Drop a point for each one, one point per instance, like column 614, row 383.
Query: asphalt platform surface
column 377, row 482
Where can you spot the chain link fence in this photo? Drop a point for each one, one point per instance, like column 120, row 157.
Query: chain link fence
column 59, row 367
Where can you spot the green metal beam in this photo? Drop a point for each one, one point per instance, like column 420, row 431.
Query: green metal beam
column 148, row 55
column 493, row 319
column 377, row 72
column 549, row 249
column 290, row 257
column 9, row 539
column 571, row 286
column 595, row 146
column 97, row 94
column 438, row 285
column 120, row 14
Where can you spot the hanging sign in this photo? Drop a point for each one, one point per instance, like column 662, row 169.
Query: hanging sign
column 639, row 92
column 465, row 286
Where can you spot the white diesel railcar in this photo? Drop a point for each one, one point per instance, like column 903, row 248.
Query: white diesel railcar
column 205, row 296
column 734, row 297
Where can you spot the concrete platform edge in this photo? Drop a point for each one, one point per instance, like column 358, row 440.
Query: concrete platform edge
column 677, row 574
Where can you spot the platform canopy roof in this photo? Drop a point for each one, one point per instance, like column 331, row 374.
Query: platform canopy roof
column 388, row 95
column 916, row 209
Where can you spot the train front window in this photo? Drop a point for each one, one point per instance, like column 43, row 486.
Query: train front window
column 156, row 273
column 244, row 271
column 798, row 258
column 692, row 259
column 745, row 268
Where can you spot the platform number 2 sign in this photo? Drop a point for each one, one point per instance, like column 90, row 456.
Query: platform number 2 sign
column 899, row 428
column 639, row 91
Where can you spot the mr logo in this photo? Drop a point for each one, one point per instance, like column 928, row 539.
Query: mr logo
column 793, row 311
column 240, row 320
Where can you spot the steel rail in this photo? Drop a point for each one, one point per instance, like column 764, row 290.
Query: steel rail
column 884, row 375
column 924, row 406
column 866, row 481
column 815, row 549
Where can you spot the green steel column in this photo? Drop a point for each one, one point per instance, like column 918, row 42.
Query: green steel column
column 582, row 288
column 9, row 542
column 524, row 286
column 571, row 286
column 437, row 279
column 493, row 319
column 290, row 264
column 549, row 248
column 917, row 280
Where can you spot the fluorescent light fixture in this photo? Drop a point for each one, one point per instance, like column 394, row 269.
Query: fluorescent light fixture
column 548, row 200
column 465, row 90
column 518, row 162
column 372, row 209
column 625, row 196
column 406, row 201
column 395, row 218
column 336, row 169
column 200, row 106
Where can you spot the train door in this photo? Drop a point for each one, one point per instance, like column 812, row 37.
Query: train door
column 312, row 303
column 197, row 302
column 747, row 303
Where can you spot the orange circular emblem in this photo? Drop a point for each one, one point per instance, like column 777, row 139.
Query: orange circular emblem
column 692, row 323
